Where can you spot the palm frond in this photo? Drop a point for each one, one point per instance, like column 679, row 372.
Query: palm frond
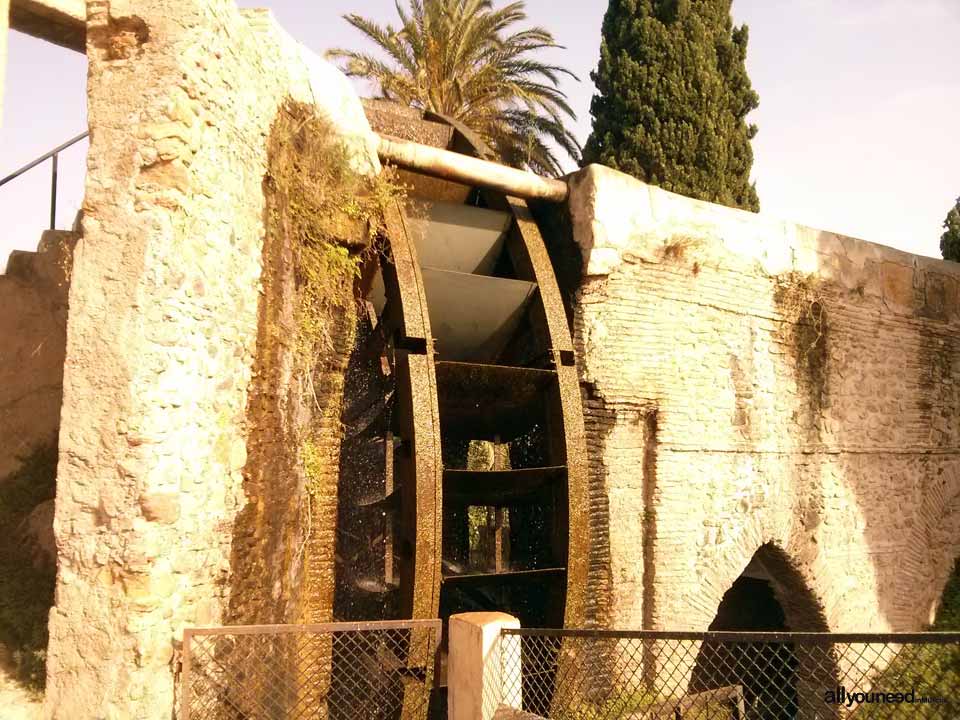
column 462, row 58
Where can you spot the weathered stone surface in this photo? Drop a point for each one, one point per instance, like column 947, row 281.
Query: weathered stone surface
column 36, row 535
column 162, row 337
column 161, row 507
column 33, row 295
column 752, row 382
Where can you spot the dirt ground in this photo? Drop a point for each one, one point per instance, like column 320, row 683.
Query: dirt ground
column 16, row 703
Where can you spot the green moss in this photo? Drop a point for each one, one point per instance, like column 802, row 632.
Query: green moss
column 313, row 464
column 26, row 592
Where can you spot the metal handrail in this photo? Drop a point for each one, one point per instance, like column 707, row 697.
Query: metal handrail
column 54, row 154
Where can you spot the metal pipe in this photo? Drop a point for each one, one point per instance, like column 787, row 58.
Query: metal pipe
column 470, row 171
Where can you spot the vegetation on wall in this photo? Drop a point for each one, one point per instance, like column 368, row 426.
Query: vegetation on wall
column 673, row 97
column 800, row 299
column 26, row 588
column 322, row 215
column 330, row 215
column 465, row 60
column 950, row 240
column 948, row 614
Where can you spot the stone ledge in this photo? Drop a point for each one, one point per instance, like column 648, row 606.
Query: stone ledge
column 61, row 22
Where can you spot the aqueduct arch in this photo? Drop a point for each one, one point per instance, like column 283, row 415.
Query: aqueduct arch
column 789, row 603
column 770, row 595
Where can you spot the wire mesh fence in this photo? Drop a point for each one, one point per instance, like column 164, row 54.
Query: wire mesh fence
column 596, row 675
column 373, row 670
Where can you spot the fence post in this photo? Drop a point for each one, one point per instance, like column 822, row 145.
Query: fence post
column 185, row 676
column 483, row 667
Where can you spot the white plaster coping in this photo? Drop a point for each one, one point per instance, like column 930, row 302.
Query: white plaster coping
column 314, row 80
column 337, row 102
column 615, row 214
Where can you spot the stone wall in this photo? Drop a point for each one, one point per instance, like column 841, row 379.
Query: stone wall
column 33, row 325
column 754, row 383
column 162, row 339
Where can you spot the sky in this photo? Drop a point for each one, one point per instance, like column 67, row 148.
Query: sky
column 859, row 109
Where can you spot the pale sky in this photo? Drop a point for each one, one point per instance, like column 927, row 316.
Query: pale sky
column 859, row 109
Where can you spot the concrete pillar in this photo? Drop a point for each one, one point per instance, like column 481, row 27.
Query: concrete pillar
column 4, row 31
column 483, row 666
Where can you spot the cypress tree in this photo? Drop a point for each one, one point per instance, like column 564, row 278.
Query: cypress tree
column 950, row 240
column 673, row 97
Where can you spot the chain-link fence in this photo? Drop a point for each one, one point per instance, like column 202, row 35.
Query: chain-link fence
column 595, row 675
column 373, row 670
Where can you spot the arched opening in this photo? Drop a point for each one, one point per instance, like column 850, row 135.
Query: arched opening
column 768, row 596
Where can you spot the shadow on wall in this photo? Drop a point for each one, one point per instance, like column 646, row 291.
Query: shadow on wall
column 948, row 611
column 879, row 361
column 28, row 562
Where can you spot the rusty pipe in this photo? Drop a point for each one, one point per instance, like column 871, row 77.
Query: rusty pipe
column 470, row 170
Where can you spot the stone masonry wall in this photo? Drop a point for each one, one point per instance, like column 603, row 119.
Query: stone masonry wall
column 753, row 382
column 161, row 340
column 33, row 325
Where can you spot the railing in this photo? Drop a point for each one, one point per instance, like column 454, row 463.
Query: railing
column 375, row 670
column 595, row 675
column 54, row 155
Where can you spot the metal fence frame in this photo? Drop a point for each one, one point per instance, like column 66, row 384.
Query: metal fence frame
column 850, row 650
column 187, row 670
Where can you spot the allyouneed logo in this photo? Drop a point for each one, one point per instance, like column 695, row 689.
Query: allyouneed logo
column 840, row 696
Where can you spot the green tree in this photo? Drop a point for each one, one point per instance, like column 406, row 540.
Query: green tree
column 673, row 99
column 461, row 58
column 950, row 240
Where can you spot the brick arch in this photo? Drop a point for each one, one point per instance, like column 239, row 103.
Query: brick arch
column 944, row 538
column 800, row 676
column 944, row 612
column 794, row 587
column 798, row 590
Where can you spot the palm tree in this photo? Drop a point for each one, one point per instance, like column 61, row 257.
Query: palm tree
column 459, row 58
